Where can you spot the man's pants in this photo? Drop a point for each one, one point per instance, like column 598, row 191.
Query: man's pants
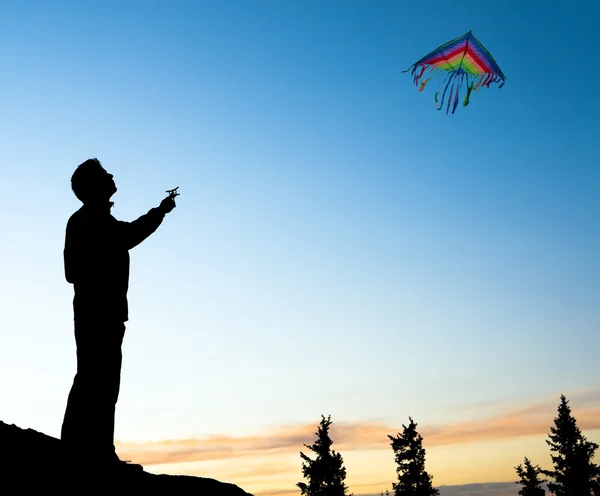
column 89, row 422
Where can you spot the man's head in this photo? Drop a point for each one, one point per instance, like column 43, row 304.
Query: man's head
column 91, row 183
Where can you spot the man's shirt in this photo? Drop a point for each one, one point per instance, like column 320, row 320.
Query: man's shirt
column 96, row 259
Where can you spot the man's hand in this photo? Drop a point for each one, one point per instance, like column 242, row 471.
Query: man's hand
column 168, row 204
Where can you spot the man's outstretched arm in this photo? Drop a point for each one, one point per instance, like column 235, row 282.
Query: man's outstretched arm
column 138, row 230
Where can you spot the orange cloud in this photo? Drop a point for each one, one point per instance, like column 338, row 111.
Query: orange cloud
column 531, row 420
column 279, row 441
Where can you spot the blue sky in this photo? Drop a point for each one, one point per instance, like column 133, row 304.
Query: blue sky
column 339, row 246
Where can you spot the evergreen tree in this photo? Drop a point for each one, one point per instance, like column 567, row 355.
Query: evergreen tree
column 409, row 453
column 326, row 473
column 531, row 484
column 574, row 472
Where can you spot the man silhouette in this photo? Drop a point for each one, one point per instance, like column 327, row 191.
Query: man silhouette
column 96, row 262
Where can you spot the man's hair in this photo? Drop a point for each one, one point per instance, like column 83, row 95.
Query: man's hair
column 84, row 177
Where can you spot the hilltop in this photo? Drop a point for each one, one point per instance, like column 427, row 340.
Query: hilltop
column 31, row 461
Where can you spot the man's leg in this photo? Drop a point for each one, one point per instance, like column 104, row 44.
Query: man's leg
column 88, row 426
column 73, row 433
column 110, row 385
column 69, row 431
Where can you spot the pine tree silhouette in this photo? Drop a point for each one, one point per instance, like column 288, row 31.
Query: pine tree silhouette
column 413, row 480
column 326, row 473
column 531, row 484
column 574, row 472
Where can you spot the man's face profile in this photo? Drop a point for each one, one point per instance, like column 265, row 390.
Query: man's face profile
column 103, row 182
column 108, row 180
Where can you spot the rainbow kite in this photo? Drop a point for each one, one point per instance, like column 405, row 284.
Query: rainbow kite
column 462, row 60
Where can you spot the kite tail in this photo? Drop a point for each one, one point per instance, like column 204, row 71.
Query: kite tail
column 448, row 83
column 466, row 100
column 470, row 87
column 424, row 83
column 457, row 88
column 419, row 75
column 453, row 89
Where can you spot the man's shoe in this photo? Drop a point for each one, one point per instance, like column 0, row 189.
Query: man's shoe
column 122, row 467
column 128, row 466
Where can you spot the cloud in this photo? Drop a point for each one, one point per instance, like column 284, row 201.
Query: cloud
column 278, row 441
column 487, row 489
column 482, row 489
column 531, row 420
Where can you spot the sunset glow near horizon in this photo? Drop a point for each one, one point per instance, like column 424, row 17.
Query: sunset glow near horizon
column 339, row 246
